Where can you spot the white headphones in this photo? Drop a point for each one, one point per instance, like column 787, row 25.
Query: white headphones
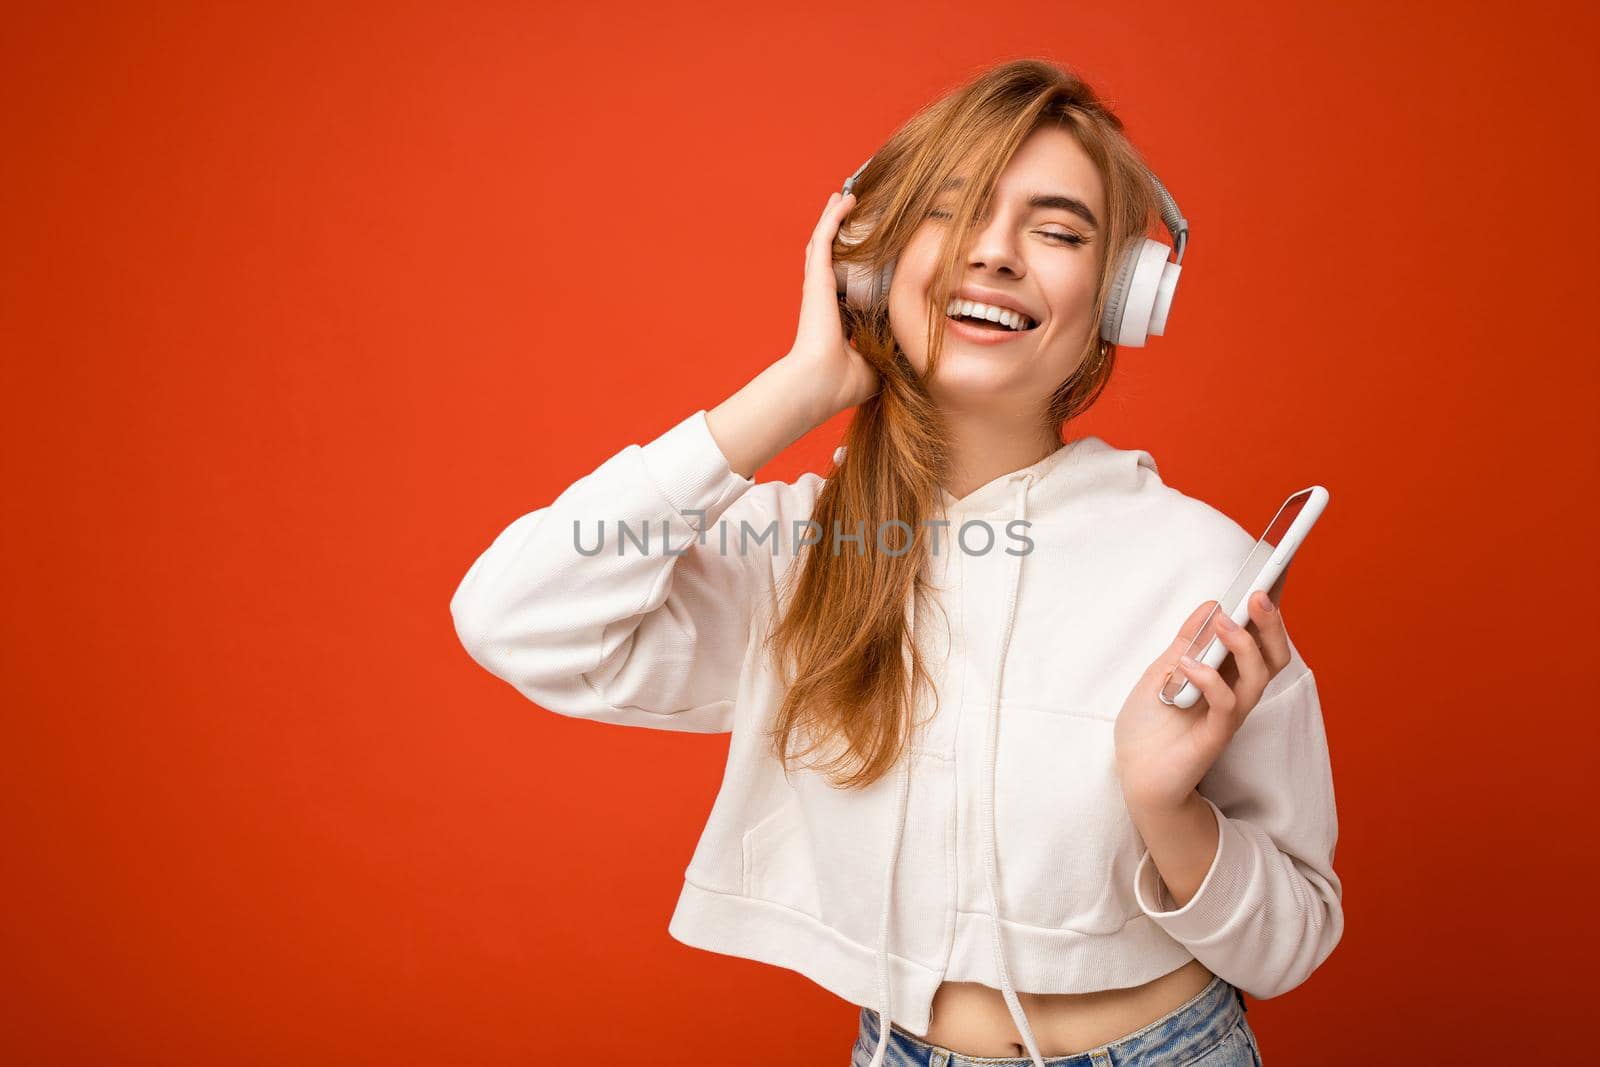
column 1140, row 296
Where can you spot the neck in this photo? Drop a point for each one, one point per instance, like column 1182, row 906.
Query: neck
column 985, row 446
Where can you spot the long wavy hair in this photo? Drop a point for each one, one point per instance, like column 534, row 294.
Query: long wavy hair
column 843, row 642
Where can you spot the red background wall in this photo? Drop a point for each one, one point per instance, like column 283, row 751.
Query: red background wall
column 302, row 304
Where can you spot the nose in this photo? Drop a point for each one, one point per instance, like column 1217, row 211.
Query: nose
column 994, row 247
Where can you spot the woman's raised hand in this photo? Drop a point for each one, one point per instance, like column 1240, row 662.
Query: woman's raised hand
column 820, row 376
column 842, row 375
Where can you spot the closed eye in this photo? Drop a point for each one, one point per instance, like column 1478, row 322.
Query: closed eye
column 1063, row 238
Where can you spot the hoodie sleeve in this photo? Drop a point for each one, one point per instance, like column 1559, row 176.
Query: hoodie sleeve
column 1269, row 910
column 651, row 636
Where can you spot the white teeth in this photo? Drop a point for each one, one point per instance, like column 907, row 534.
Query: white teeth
column 1003, row 316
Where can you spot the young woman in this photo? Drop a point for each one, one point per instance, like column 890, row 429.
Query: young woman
column 952, row 795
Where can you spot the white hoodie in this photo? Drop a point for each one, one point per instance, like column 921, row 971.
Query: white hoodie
column 1002, row 852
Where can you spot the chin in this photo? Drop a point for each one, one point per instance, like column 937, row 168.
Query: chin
column 964, row 380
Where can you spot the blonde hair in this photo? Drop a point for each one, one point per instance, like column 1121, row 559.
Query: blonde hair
column 843, row 642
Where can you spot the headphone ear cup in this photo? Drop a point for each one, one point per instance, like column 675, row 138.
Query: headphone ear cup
column 1116, row 296
column 1140, row 295
column 861, row 285
column 878, row 284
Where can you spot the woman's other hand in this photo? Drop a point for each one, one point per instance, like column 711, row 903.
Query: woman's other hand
column 1164, row 751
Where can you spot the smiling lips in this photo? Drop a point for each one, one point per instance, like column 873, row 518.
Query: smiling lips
column 982, row 312
column 1007, row 323
column 982, row 335
column 985, row 323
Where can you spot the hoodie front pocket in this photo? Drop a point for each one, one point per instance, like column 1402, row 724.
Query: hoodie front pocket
column 853, row 832
column 1066, row 847
column 778, row 865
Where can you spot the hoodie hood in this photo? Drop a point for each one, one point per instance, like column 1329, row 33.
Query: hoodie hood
column 1082, row 464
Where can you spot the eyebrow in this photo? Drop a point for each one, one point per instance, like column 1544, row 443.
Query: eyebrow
column 1046, row 200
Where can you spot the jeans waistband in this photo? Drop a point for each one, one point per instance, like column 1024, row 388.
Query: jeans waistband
column 1184, row 1032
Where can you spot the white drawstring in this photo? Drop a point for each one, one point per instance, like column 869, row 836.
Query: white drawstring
column 1008, row 990
column 903, row 775
column 903, row 782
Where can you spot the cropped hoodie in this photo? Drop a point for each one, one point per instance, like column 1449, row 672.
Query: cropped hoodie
column 1000, row 851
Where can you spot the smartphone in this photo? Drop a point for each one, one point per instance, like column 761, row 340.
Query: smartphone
column 1265, row 564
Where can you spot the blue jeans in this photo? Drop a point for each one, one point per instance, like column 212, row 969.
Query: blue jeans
column 1208, row 1031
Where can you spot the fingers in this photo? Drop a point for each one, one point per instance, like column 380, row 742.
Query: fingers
column 1219, row 699
column 832, row 215
column 819, row 250
column 1164, row 664
column 1250, row 668
column 1267, row 622
column 1191, row 627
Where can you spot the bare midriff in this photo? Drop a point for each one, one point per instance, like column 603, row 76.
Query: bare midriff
column 973, row 1020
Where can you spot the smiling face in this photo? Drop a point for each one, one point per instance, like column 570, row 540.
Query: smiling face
column 1032, row 251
